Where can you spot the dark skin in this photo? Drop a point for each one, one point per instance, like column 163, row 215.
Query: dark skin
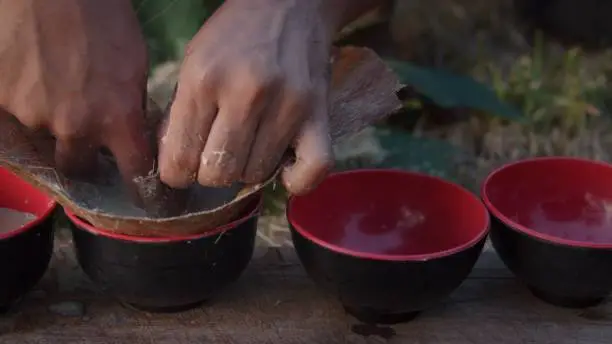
column 246, row 92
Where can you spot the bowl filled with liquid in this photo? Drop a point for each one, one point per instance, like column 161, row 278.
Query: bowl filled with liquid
column 552, row 226
column 26, row 237
column 387, row 243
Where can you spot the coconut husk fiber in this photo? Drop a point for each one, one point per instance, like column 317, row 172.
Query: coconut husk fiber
column 363, row 91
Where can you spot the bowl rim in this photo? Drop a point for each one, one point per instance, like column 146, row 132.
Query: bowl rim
column 82, row 225
column 394, row 257
column 524, row 229
column 31, row 225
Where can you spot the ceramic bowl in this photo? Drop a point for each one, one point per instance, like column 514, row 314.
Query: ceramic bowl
column 26, row 237
column 552, row 226
column 387, row 243
column 166, row 274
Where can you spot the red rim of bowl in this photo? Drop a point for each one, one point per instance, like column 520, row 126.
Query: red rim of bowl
column 30, row 225
column 394, row 257
column 520, row 228
column 138, row 239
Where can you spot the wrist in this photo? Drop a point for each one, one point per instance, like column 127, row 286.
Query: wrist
column 334, row 14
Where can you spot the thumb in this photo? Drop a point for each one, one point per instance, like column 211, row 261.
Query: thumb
column 313, row 152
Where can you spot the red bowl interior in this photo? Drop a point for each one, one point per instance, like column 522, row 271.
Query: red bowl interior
column 389, row 215
column 559, row 199
column 19, row 195
column 252, row 210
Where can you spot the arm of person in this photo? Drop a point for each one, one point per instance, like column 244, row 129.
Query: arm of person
column 255, row 82
column 339, row 13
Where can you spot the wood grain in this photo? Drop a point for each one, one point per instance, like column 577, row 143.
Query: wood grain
column 274, row 302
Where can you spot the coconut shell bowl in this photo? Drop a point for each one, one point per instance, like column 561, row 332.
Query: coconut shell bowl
column 387, row 243
column 552, row 227
column 166, row 274
column 26, row 237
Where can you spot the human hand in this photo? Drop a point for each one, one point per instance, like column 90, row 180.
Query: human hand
column 254, row 81
column 78, row 69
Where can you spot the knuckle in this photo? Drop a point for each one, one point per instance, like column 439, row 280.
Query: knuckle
column 266, row 77
column 65, row 128
column 308, row 175
column 214, row 177
column 300, row 92
column 318, row 164
column 31, row 120
column 71, row 117
column 178, row 170
column 218, row 170
column 256, row 78
column 202, row 77
column 250, row 98
column 299, row 96
column 180, row 161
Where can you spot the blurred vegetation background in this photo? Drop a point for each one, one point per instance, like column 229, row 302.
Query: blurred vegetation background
column 170, row 24
column 487, row 81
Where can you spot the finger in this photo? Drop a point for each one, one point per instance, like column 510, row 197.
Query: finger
column 45, row 144
column 229, row 141
column 313, row 151
column 76, row 145
column 130, row 144
column 76, row 157
column 279, row 126
column 21, row 145
column 184, row 137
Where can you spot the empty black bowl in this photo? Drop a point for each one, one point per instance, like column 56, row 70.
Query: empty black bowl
column 552, row 226
column 26, row 237
column 165, row 274
column 387, row 243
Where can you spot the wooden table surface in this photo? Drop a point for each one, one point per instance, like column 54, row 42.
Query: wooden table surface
column 274, row 302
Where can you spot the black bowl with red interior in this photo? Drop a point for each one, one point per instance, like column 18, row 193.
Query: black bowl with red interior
column 166, row 274
column 387, row 243
column 551, row 224
column 26, row 237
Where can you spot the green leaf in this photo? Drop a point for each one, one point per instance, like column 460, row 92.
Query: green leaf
column 449, row 90
column 169, row 24
column 275, row 198
column 402, row 150
column 426, row 155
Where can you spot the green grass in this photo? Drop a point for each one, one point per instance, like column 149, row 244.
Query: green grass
column 553, row 87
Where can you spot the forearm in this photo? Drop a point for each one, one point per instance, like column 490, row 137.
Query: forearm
column 339, row 13
column 333, row 15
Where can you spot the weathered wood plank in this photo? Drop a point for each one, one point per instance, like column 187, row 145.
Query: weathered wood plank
column 274, row 302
